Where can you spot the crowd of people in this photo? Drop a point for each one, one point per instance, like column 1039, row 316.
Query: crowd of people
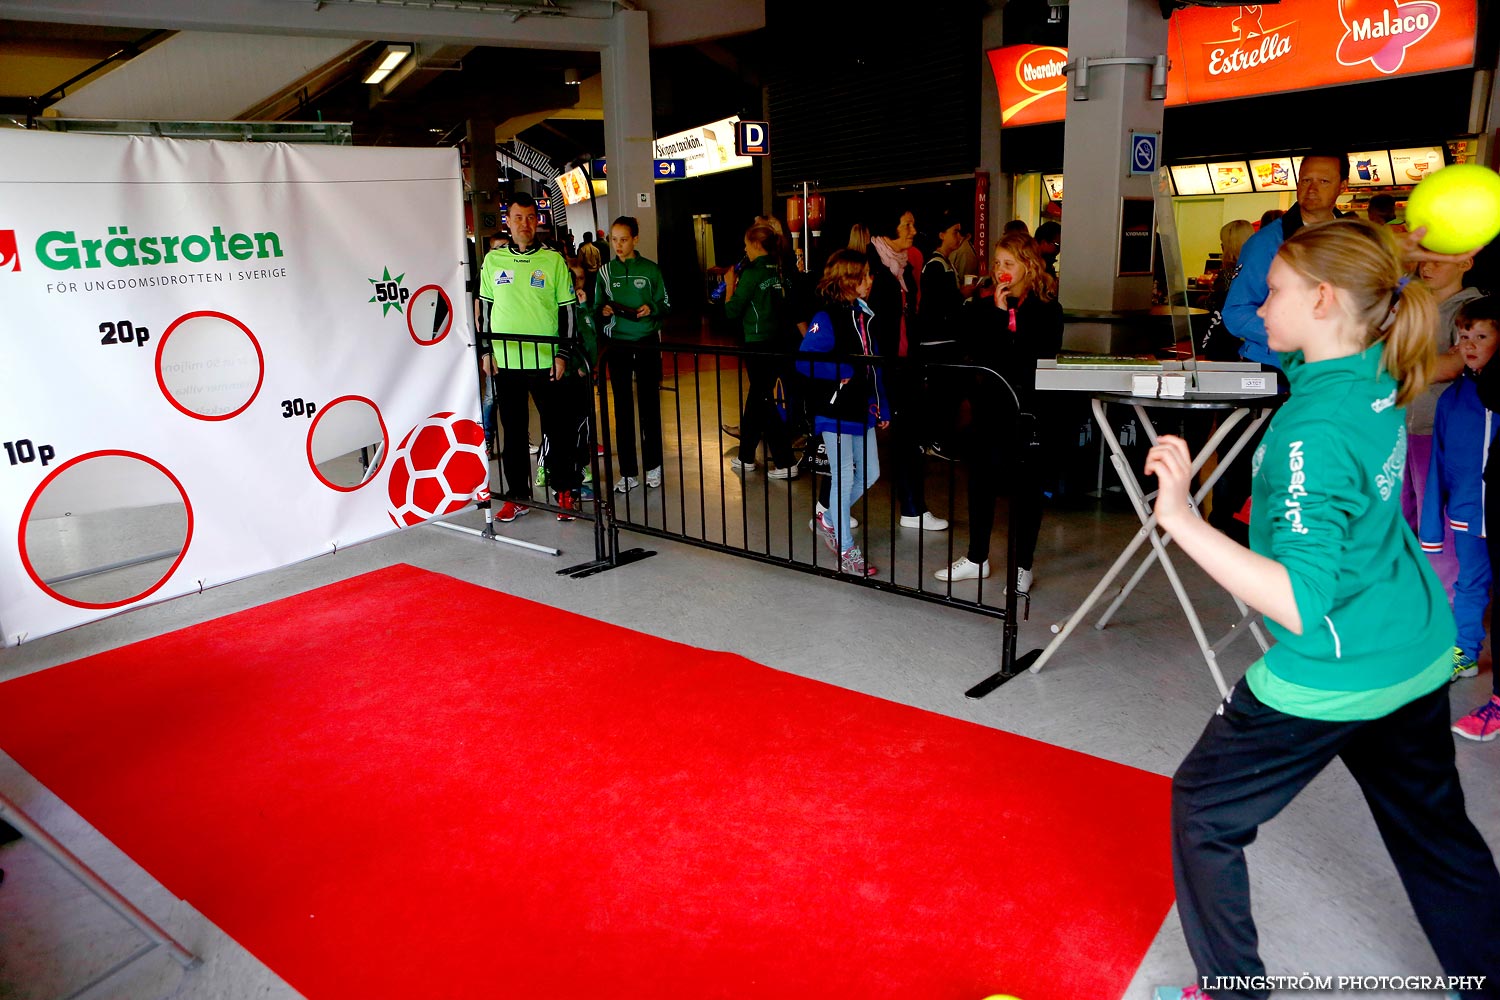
column 1383, row 351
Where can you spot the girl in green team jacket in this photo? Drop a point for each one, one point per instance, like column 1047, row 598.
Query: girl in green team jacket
column 1364, row 634
column 758, row 301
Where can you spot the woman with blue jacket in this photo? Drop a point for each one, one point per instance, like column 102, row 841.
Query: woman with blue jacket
column 847, row 399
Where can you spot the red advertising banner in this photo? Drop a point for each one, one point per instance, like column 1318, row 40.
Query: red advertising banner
column 1033, row 83
column 1222, row 53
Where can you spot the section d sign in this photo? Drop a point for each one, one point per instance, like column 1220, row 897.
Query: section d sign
column 752, row 138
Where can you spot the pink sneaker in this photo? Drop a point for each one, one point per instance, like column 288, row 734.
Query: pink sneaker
column 1482, row 724
column 853, row 563
column 825, row 531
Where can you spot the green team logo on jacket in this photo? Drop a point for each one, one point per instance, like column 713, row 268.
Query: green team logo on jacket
column 62, row 250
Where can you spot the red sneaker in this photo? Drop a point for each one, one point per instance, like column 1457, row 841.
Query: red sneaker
column 511, row 510
column 568, row 500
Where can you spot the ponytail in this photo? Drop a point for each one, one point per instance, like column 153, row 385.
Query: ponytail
column 1363, row 262
column 1410, row 355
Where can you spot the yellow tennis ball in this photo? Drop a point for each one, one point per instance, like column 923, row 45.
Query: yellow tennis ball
column 1459, row 205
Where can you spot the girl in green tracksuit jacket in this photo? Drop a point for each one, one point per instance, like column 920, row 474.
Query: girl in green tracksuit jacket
column 1364, row 634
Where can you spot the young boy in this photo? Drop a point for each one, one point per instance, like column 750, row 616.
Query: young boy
column 1461, row 434
column 1483, row 723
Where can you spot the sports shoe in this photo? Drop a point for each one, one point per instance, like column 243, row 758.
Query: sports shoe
column 626, row 483
column 1482, row 724
column 853, row 563
column 1179, row 993
column 853, row 521
column 825, row 531
column 783, row 472
column 1023, row 582
column 568, row 500
column 731, row 430
column 510, row 510
column 541, row 475
column 964, row 570
column 588, row 474
column 1464, row 665
column 740, row 466
column 653, row 478
column 927, row 519
column 599, row 450
column 940, row 450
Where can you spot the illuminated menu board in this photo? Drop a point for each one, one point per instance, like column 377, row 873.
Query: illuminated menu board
column 1230, row 177
column 1408, row 166
column 1370, row 168
column 1192, row 179
column 1275, row 174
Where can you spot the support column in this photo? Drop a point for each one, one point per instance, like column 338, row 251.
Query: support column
column 1096, row 148
column 627, row 124
column 484, row 175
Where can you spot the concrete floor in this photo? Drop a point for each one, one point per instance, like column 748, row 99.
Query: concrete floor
column 1326, row 895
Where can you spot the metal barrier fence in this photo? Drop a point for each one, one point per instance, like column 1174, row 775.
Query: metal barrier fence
column 694, row 494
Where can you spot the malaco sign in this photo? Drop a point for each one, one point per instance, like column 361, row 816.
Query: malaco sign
column 1223, row 53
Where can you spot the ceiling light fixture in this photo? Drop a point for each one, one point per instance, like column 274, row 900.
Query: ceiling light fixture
column 570, row 77
column 393, row 56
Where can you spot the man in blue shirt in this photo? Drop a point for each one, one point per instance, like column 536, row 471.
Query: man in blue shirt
column 1320, row 181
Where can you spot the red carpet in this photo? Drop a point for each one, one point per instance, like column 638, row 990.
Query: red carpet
column 407, row 786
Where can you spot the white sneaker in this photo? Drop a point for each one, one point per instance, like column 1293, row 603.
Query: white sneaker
column 626, row 483
column 964, row 570
column 853, row 521
column 784, row 472
column 653, row 478
column 1023, row 582
column 738, row 466
column 927, row 519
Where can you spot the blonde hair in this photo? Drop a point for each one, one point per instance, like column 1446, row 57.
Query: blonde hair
column 766, row 238
column 859, row 237
column 772, row 223
column 841, row 276
column 1363, row 261
column 1232, row 239
column 1033, row 276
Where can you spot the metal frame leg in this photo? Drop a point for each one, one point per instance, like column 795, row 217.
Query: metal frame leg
column 106, row 893
column 1159, row 540
column 1203, row 490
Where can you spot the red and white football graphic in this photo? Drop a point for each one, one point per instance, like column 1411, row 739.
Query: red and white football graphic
column 438, row 468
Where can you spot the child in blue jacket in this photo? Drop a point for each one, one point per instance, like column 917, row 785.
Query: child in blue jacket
column 1461, row 433
column 848, row 400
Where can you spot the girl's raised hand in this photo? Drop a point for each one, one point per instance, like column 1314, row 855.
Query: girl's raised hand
column 1172, row 465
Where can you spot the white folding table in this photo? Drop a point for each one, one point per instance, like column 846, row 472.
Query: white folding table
column 1245, row 415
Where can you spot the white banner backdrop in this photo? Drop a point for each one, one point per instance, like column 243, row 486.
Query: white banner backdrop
column 220, row 358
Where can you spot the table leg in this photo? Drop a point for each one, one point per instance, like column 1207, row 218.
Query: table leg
column 1147, row 526
column 1203, row 489
column 1137, row 497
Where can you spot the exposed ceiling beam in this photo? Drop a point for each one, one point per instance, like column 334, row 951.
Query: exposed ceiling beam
column 583, row 25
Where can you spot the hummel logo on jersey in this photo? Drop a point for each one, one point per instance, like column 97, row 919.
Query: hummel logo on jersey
column 9, row 256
